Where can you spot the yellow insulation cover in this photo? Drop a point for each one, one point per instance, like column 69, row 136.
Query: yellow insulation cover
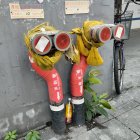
column 85, row 44
column 46, row 61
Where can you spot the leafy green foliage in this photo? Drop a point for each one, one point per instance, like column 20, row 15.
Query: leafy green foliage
column 33, row 135
column 94, row 104
column 12, row 135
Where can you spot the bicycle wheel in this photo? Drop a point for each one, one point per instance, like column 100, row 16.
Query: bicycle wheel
column 119, row 67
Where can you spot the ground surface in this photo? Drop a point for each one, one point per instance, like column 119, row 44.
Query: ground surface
column 124, row 123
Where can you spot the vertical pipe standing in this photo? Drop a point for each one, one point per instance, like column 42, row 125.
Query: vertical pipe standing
column 56, row 97
column 77, row 90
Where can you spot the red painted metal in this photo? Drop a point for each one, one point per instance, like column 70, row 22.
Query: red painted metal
column 105, row 34
column 47, row 47
column 101, row 33
column 77, row 74
column 53, row 81
column 62, row 41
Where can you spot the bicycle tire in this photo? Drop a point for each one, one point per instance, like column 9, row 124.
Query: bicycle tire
column 118, row 71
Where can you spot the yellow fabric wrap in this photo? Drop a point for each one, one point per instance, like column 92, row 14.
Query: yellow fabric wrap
column 85, row 44
column 73, row 54
column 94, row 58
column 46, row 61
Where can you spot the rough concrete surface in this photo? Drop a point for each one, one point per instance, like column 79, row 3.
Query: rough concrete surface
column 124, row 123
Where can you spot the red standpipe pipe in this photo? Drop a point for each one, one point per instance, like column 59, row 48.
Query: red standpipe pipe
column 77, row 91
column 55, row 95
column 77, row 75
column 53, row 81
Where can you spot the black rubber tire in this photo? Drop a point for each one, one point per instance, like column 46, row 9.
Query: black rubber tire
column 118, row 59
column 58, row 121
column 79, row 114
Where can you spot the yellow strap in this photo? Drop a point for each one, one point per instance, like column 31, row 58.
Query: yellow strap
column 94, row 58
column 83, row 50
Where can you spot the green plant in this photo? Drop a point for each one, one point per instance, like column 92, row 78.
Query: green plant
column 12, row 135
column 33, row 135
column 94, row 104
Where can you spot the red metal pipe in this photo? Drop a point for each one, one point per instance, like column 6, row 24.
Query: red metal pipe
column 77, row 91
column 53, row 81
column 77, row 74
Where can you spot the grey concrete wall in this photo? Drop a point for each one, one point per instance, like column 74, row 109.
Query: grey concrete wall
column 23, row 94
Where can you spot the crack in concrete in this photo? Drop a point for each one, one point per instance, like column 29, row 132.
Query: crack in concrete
column 127, row 88
column 108, row 120
column 126, row 111
column 136, row 101
column 127, row 127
